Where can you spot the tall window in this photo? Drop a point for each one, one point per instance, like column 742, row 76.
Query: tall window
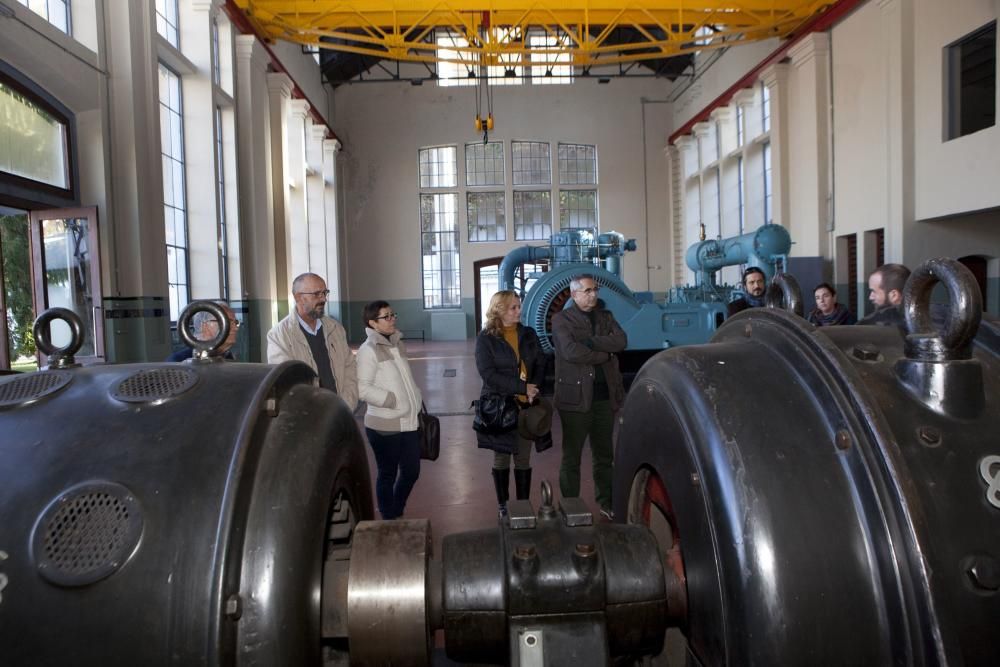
column 220, row 190
column 765, row 107
column 216, row 65
column 459, row 73
column 767, row 183
column 166, row 21
column 971, row 86
column 739, row 124
column 739, row 193
column 174, row 198
column 487, row 210
column 55, row 12
column 439, row 240
column 547, row 65
column 532, row 175
column 577, row 166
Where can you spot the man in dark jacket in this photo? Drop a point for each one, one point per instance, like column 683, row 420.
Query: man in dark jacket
column 754, row 284
column 885, row 291
column 589, row 388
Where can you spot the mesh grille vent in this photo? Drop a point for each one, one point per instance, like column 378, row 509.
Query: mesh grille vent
column 154, row 385
column 21, row 389
column 87, row 534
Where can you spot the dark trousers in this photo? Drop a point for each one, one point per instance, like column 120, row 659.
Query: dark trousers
column 599, row 424
column 397, row 456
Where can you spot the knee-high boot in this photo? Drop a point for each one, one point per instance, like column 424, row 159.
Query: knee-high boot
column 522, row 483
column 501, row 480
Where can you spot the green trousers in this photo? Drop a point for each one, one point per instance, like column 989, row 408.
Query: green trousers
column 599, row 424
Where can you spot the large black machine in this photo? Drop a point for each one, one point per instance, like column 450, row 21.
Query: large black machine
column 787, row 495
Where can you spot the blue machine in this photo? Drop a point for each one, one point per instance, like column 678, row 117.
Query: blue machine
column 689, row 315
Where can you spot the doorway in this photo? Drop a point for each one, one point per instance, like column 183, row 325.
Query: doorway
column 50, row 258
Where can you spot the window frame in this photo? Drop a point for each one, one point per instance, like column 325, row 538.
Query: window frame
column 953, row 86
column 186, row 247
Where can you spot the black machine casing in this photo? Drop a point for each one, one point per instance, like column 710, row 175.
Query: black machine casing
column 144, row 509
column 825, row 492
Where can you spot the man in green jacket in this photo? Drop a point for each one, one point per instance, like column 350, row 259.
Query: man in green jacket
column 589, row 388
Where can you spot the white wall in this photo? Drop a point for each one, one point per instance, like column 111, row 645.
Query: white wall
column 960, row 175
column 712, row 82
column 384, row 125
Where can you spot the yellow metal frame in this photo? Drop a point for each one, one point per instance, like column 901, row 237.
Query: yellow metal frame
column 495, row 29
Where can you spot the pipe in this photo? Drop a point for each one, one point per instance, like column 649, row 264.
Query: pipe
column 517, row 257
column 762, row 248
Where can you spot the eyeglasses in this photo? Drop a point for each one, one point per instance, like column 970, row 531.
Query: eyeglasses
column 387, row 316
column 318, row 293
column 589, row 290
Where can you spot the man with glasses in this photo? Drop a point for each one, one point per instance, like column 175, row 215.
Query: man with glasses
column 310, row 336
column 589, row 387
column 754, row 284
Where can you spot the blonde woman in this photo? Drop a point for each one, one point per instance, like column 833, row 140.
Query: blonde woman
column 510, row 361
column 386, row 384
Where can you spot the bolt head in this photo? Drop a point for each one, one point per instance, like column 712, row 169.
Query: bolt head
column 929, row 436
column 865, row 352
column 984, row 573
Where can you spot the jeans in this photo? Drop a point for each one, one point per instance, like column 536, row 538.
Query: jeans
column 599, row 424
column 397, row 456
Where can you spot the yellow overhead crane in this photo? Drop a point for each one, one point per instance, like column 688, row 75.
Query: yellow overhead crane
column 494, row 32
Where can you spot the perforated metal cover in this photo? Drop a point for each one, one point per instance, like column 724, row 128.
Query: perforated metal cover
column 23, row 389
column 86, row 533
column 155, row 385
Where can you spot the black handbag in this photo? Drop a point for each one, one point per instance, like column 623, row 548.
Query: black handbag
column 495, row 414
column 430, row 434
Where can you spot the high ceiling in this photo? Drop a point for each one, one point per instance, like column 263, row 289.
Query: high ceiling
column 358, row 36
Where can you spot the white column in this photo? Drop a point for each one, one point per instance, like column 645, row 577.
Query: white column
column 688, row 228
column 775, row 77
column 809, row 186
column 334, row 228
column 260, row 280
column 675, row 167
column 199, row 153
column 279, row 89
column 315, row 203
column 296, row 204
column 897, row 42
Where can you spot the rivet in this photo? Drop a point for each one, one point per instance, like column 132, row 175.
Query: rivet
column 747, row 330
column 524, row 552
column 585, row 550
column 984, row 573
column 695, row 479
column 929, row 436
column 843, row 439
column 865, row 352
column 234, row 607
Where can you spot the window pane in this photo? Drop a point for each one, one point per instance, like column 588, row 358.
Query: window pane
column 972, row 82
column 455, row 66
column 487, row 216
column 532, row 216
column 532, row 163
column 439, row 247
column 577, row 164
column 174, row 199
column 578, row 209
column 32, row 142
column 166, row 21
column 484, row 164
column 767, row 183
column 55, row 12
column 548, row 66
column 438, row 167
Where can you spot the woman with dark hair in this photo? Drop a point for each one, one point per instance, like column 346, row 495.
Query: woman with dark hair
column 828, row 312
column 510, row 361
column 386, row 384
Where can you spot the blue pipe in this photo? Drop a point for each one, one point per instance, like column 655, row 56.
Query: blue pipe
column 515, row 258
column 761, row 248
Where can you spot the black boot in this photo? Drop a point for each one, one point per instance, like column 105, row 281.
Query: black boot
column 522, row 483
column 501, row 481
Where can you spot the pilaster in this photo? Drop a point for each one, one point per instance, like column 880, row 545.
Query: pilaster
column 294, row 185
column 775, row 77
column 335, row 235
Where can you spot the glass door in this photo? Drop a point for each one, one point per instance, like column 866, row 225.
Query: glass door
column 66, row 266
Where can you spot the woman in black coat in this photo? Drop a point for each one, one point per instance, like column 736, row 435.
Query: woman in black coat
column 510, row 360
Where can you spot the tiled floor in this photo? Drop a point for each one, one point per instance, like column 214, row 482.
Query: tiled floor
column 456, row 491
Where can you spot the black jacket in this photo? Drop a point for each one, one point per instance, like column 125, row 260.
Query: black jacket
column 579, row 348
column 498, row 367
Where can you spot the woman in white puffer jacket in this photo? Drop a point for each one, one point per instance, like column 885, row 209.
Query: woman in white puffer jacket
column 386, row 384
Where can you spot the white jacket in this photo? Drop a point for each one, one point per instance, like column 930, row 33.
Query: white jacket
column 386, row 383
column 286, row 342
